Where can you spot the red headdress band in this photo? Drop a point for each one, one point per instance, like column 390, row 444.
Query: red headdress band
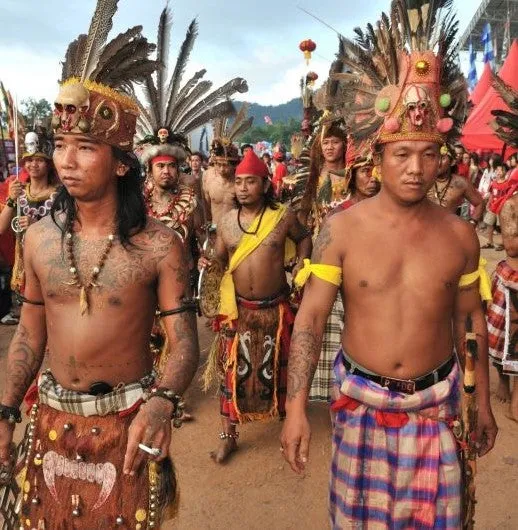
column 163, row 158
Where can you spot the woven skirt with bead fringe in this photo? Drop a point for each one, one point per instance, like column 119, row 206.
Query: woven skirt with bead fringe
column 73, row 476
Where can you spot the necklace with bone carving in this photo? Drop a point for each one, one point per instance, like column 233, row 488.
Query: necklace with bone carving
column 85, row 288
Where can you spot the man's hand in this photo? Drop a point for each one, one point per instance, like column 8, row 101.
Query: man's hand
column 203, row 263
column 7, row 452
column 295, row 438
column 151, row 427
column 15, row 189
column 24, row 222
column 486, row 431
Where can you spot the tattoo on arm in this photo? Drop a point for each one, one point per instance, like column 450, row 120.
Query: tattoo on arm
column 304, row 354
column 23, row 363
column 322, row 242
column 184, row 354
column 509, row 220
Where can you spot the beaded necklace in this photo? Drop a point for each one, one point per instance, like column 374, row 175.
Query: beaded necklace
column 258, row 224
column 85, row 288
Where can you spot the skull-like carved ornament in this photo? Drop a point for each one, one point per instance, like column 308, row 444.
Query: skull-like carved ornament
column 70, row 108
column 163, row 135
column 417, row 103
column 32, row 143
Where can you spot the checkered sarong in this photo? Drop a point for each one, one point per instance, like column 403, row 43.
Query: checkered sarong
column 499, row 321
column 123, row 397
column 322, row 385
column 394, row 462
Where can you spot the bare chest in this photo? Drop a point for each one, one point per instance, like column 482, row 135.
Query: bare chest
column 271, row 244
column 221, row 191
column 112, row 273
column 424, row 268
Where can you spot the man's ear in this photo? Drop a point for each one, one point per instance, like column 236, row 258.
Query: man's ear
column 121, row 169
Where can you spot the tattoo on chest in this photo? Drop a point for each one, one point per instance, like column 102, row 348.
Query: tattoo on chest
column 123, row 267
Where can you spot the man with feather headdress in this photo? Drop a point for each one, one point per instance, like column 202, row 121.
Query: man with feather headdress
column 410, row 274
column 97, row 445
column 502, row 311
column 218, row 180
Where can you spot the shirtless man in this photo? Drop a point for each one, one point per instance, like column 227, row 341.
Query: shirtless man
column 425, row 251
column 95, row 273
column 255, row 313
column 505, row 289
column 218, row 182
column 450, row 191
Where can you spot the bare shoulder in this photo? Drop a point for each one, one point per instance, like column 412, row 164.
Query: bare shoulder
column 156, row 238
column 463, row 232
column 43, row 232
column 459, row 182
column 510, row 207
column 228, row 219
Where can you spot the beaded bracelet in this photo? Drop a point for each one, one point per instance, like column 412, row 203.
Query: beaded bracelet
column 173, row 398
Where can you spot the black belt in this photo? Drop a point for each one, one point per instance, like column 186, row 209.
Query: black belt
column 407, row 386
column 99, row 388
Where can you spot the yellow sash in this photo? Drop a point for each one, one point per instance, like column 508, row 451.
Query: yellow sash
column 247, row 244
column 485, row 282
column 328, row 273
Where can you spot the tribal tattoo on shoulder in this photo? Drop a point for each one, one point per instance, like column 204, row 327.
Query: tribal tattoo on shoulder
column 509, row 219
column 303, row 361
column 322, row 241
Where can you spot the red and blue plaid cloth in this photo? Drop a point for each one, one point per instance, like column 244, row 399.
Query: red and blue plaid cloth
column 395, row 462
column 504, row 288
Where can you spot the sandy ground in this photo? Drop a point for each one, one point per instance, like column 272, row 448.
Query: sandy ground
column 256, row 490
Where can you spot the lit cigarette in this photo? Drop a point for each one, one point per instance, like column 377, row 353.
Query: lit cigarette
column 153, row 451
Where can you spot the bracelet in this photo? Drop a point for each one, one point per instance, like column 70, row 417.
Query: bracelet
column 11, row 414
column 173, row 398
column 10, row 203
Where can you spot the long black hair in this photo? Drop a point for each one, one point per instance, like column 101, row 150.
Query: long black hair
column 131, row 208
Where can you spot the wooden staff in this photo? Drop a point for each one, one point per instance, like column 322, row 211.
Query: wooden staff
column 469, row 425
column 15, row 223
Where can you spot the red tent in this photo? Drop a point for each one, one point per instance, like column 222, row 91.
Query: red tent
column 477, row 134
column 482, row 86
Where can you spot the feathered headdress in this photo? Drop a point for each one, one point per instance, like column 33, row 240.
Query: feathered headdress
column 226, row 130
column 97, row 78
column 505, row 123
column 402, row 78
column 175, row 109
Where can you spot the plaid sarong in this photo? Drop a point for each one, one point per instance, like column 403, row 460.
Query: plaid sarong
column 322, row 385
column 395, row 463
column 123, row 397
column 502, row 318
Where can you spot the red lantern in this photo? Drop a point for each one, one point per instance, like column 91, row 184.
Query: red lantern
column 307, row 46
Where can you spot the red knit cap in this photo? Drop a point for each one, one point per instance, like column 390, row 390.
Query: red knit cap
column 252, row 165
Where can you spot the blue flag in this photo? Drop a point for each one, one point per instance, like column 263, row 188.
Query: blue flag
column 472, row 74
column 487, row 41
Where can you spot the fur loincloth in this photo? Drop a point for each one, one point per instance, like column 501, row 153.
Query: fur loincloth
column 253, row 362
column 502, row 318
column 395, row 459
column 73, row 474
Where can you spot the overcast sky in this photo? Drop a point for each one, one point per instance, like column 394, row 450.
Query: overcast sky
column 252, row 39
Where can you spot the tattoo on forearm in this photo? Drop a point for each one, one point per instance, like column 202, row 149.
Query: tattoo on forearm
column 322, row 242
column 304, row 353
column 184, row 354
column 24, row 360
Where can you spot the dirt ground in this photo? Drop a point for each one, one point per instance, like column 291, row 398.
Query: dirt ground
column 257, row 490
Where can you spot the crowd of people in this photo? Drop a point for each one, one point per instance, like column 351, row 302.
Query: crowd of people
column 351, row 275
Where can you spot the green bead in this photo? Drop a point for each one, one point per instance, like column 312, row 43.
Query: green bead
column 383, row 104
column 445, row 100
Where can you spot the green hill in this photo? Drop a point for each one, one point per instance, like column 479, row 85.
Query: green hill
column 278, row 113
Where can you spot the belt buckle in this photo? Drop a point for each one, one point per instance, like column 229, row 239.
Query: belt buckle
column 99, row 388
column 407, row 386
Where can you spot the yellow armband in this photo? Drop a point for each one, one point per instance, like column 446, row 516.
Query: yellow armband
column 472, row 277
column 328, row 273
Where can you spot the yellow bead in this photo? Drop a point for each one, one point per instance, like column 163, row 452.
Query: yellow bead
column 53, row 435
column 38, row 462
column 422, row 67
column 26, row 486
column 140, row 515
column 28, row 522
column 138, row 526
